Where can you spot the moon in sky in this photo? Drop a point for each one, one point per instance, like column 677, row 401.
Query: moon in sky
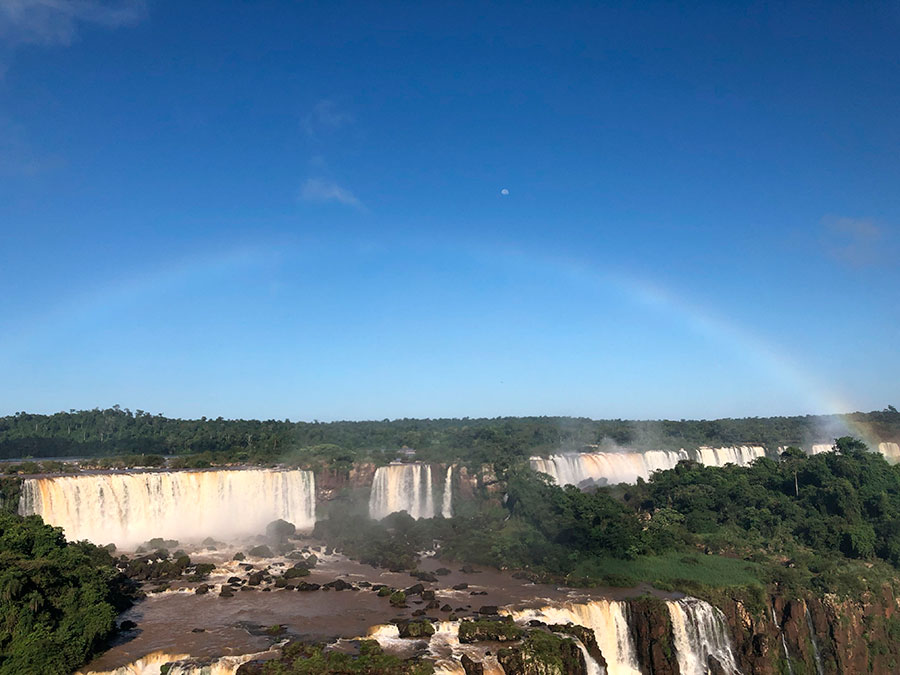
column 504, row 192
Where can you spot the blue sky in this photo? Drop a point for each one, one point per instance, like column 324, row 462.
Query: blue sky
column 279, row 209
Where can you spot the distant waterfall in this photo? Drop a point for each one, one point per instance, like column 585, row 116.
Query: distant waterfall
column 615, row 467
column 447, row 500
column 130, row 508
column 609, row 621
column 627, row 467
column 891, row 452
column 700, row 634
column 402, row 487
column 819, row 448
column 742, row 455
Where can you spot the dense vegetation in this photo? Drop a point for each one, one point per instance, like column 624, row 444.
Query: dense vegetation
column 58, row 600
column 118, row 431
column 298, row 658
column 829, row 522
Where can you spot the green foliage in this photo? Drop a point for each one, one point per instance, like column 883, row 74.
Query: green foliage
column 58, row 600
column 495, row 631
column 304, row 659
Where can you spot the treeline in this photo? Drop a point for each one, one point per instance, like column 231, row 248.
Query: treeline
column 119, row 431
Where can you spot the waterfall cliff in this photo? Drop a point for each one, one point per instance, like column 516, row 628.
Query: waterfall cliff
column 130, row 508
column 891, row 452
column 609, row 621
column 447, row 500
column 700, row 634
column 627, row 467
column 402, row 487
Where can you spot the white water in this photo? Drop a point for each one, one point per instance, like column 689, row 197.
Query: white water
column 130, row 508
column 742, row 455
column 615, row 467
column 182, row 664
column 447, row 500
column 820, row 670
column 819, row 448
column 609, row 621
column 700, row 632
column 787, row 655
column 627, row 467
column 891, row 452
column 402, row 487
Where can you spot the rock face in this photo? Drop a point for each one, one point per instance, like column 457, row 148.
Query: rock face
column 651, row 629
column 824, row 635
column 329, row 482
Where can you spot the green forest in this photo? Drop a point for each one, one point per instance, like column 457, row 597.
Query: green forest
column 58, row 600
column 119, row 431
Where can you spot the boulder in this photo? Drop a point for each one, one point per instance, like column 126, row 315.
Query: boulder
column 471, row 666
column 415, row 629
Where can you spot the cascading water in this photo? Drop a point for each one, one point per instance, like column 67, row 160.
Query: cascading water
column 891, row 452
column 742, row 455
column 447, row 500
column 817, row 656
column 179, row 664
column 819, row 448
column 130, row 508
column 784, row 647
column 614, row 467
column 402, row 487
column 627, row 467
column 700, row 634
column 609, row 621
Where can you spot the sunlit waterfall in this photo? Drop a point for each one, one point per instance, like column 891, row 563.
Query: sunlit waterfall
column 819, row 448
column 891, row 452
column 615, row 467
column 609, row 621
column 447, row 500
column 742, row 455
column 130, row 508
column 700, row 632
column 179, row 664
column 627, row 467
column 402, row 487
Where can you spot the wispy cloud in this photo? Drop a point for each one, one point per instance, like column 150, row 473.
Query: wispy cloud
column 325, row 116
column 17, row 156
column 56, row 22
column 322, row 190
column 853, row 241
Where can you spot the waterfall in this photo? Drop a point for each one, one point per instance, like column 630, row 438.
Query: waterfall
column 447, row 501
column 613, row 467
column 402, row 487
column 609, row 621
column 891, row 452
column 820, row 670
column 131, row 508
column 742, row 455
column 787, row 654
column 180, row 664
column 700, row 634
column 627, row 467
column 819, row 448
